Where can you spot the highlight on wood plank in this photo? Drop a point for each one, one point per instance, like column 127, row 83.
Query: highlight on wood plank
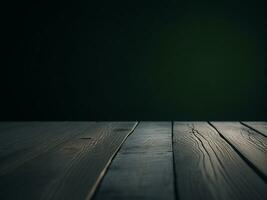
column 260, row 127
column 143, row 168
column 71, row 168
column 208, row 168
column 247, row 142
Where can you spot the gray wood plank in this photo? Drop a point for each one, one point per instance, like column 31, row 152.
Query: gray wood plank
column 143, row 168
column 71, row 169
column 5, row 126
column 208, row 168
column 259, row 126
column 248, row 143
column 22, row 141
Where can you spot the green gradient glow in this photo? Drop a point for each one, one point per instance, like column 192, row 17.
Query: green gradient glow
column 205, row 66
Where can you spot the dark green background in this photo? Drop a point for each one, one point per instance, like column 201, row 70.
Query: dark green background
column 129, row 60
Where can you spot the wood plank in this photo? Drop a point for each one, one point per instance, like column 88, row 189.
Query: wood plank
column 143, row 168
column 71, row 169
column 258, row 126
column 23, row 141
column 251, row 145
column 4, row 126
column 208, row 168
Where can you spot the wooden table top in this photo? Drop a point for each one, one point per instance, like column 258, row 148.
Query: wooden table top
column 133, row 160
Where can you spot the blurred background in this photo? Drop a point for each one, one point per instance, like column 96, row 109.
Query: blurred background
column 134, row 60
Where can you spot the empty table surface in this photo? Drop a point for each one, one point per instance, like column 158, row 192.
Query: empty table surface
column 133, row 160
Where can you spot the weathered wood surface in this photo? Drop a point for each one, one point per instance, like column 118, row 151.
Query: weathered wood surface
column 71, row 169
column 261, row 127
column 143, row 168
column 208, row 168
column 250, row 144
column 23, row 141
column 67, row 160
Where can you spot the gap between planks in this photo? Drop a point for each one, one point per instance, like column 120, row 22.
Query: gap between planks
column 247, row 124
column 257, row 168
column 104, row 171
column 209, row 167
column 69, row 170
column 143, row 169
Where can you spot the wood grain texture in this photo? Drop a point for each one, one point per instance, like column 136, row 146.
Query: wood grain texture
column 252, row 145
column 208, row 168
column 23, row 141
column 259, row 126
column 143, row 168
column 69, row 170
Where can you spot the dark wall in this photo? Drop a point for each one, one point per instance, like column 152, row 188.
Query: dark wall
column 122, row 60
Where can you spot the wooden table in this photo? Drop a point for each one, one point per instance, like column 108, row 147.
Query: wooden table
column 133, row 160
